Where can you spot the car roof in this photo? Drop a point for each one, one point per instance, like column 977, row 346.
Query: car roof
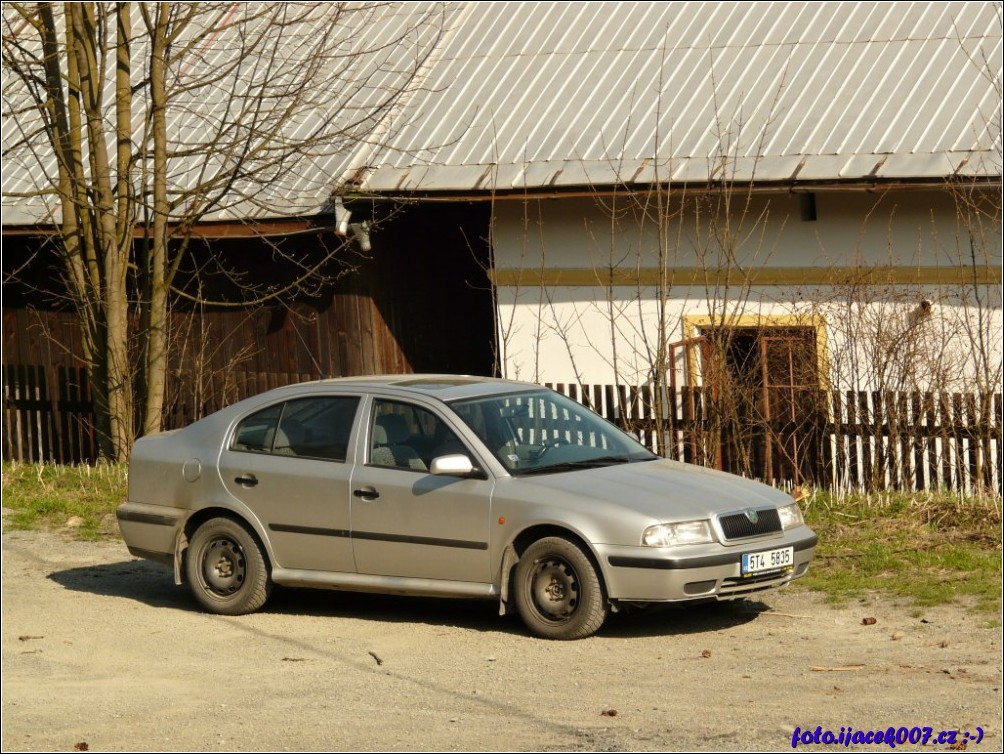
column 444, row 387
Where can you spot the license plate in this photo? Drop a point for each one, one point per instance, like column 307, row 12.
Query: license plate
column 771, row 560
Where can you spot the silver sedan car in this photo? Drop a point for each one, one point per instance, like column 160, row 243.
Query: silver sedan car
column 452, row 487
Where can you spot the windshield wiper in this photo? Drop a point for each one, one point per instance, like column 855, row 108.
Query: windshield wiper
column 588, row 463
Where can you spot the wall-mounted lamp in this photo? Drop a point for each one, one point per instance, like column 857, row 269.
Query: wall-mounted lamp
column 361, row 232
column 345, row 228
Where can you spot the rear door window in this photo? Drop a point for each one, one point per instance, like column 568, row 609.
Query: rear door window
column 317, row 427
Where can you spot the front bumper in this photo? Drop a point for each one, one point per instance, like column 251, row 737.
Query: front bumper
column 646, row 574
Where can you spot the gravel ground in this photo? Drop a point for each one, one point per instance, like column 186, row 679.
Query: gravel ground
column 102, row 651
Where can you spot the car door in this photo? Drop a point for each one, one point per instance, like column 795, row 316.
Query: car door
column 407, row 522
column 289, row 464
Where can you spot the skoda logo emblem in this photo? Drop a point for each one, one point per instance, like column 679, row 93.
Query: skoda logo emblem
column 752, row 516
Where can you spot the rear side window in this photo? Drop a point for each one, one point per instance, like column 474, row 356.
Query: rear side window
column 257, row 433
column 306, row 428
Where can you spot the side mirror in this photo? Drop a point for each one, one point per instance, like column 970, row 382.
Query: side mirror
column 453, row 465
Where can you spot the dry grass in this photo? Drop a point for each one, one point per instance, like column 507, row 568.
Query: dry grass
column 932, row 548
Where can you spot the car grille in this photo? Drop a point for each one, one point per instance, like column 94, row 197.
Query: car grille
column 738, row 525
column 737, row 587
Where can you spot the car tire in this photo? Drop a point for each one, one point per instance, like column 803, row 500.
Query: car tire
column 557, row 590
column 225, row 567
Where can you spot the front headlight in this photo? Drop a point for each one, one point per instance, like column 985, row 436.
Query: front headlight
column 686, row 533
column 791, row 516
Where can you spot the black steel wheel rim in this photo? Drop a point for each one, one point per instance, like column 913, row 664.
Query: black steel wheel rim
column 224, row 566
column 554, row 589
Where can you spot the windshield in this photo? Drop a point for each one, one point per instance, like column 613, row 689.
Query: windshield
column 544, row 432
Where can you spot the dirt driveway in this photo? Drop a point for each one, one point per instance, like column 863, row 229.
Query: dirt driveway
column 103, row 650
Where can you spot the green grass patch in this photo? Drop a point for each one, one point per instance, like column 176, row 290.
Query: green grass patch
column 78, row 499
column 932, row 549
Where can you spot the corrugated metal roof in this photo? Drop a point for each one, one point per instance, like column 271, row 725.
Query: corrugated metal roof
column 347, row 61
column 543, row 95
column 550, row 95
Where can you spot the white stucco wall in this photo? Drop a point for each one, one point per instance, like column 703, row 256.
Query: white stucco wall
column 859, row 271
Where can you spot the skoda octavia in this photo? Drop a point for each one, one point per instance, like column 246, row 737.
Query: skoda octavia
column 452, row 487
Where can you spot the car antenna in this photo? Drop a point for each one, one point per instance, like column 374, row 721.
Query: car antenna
column 321, row 374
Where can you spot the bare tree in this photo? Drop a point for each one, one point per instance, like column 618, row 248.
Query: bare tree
column 143, row 120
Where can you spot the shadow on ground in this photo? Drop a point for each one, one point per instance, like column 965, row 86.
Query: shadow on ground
column 153, row 585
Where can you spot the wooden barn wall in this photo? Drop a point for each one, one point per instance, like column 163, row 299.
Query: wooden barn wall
column 217, row 358
column 420, row 300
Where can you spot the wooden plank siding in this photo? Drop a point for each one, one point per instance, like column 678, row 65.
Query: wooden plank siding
column 866, row 441
column 218, row 357
column 419, row 301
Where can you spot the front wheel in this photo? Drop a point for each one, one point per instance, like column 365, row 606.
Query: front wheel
column 226, row 569
column 558, row 593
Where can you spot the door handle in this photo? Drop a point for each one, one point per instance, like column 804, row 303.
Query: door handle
column 248, row 480
column 366, row 493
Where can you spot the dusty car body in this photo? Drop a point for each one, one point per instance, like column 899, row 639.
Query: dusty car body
column 453, row 487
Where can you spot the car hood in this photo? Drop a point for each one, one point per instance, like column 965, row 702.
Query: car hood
column 663, row 489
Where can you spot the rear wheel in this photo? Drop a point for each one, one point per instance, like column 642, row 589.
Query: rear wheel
column 226, row 569
column 558, row 593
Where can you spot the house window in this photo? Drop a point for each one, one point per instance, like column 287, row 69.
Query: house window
column 770, row 367
column 780, row 351
column 761, row 381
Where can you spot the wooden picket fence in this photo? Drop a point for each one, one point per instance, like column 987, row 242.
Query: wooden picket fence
column 843, row 441
column 877, row 440
column 49, row 412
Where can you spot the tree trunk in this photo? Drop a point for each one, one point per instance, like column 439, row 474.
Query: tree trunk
column 155, row 332
column 115, row 399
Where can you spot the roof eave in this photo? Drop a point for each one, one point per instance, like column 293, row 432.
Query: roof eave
column 988, row 182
